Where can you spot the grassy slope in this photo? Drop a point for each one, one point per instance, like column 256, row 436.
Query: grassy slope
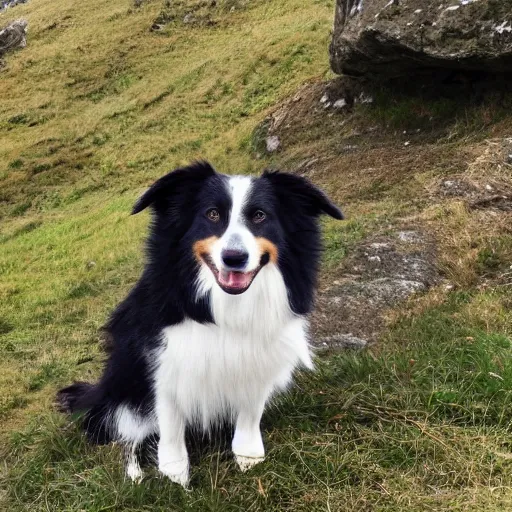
column 92, row 111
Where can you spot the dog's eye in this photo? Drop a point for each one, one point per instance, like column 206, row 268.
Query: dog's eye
column 259, row 216
column 213, row 214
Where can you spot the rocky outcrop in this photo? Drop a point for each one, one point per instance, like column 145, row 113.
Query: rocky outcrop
column 13, row 36
column 4, row 4
column 381, row 274
column 390, row 38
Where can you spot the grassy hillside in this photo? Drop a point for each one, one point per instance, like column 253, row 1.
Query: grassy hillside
column 98, row 105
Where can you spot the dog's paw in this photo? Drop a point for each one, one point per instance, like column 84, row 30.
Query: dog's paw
column 134, row 472
column 245, row 463
column 176, row 471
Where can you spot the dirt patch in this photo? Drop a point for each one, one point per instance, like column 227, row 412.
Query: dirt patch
column 381, row 273
column 437, row 162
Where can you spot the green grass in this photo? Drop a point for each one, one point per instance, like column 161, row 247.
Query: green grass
column 93, row 110
column 423, row 424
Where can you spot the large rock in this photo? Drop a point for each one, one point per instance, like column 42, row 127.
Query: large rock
column 389, row 38
column 13, row 36
column 4, row 4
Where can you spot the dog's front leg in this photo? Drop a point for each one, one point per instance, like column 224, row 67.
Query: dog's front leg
column 172, row 452
column 247, row 443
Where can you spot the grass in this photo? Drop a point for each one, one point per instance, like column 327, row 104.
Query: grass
column 94, row 109
column 421, row 424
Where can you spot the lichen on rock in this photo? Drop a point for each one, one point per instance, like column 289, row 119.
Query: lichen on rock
column 386, row 39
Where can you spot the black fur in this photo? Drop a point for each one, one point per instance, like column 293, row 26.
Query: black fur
column 165, row 294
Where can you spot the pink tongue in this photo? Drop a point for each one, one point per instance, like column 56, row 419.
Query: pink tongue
column 234, row 279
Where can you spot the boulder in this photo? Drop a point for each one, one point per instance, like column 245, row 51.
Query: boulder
column 392, row 38
column 13, row 36
column 4, row 4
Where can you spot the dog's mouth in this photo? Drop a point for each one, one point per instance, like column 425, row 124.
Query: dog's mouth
column 232, row 281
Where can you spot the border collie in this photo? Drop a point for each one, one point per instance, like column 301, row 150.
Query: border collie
column 218, row 321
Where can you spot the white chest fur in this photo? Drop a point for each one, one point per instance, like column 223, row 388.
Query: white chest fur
column 214, row 370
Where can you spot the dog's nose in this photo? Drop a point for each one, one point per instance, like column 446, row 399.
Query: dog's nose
column 235, row 259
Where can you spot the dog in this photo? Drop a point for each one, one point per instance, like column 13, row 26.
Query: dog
column 217, row 323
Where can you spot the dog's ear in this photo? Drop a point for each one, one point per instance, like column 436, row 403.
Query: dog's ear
column 301, row 193
column 173, row 183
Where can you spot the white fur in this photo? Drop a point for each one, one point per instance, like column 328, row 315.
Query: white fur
column 130, row 426
column 133, row 469
column 250, row 351
column 207, row 372
column 230, row 368
column 237, row 236
column 131, row 429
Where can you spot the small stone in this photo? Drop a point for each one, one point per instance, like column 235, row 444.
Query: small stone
column 508, row 160
column 406, row 143
column 488, row 188
column 273, row 143
column 90, row 264
column 364, row 98
column 341, row 103
column 324, row 98
column 342, row 340
column 379, row 245
column 409, row 237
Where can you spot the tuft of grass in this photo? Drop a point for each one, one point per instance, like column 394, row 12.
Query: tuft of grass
column 338, row 240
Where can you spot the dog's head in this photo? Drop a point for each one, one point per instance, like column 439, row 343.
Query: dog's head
column 235, row 225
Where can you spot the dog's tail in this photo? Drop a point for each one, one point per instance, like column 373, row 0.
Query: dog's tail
column 84, row 398
column 75, row 398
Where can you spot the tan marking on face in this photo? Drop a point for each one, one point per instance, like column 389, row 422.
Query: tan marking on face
column 266, row 246
column 204, row 247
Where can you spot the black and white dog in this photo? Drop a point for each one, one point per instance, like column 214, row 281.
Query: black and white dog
column 218, row 321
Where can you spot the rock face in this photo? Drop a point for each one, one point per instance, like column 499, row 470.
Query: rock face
column 390, row 38
column 4, row 4
column 381, row 273
column 13, row 36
